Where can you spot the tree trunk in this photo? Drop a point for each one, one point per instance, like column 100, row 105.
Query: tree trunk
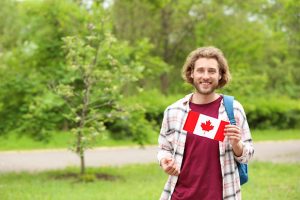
column 164, row 83
column 166, row 13
column 82, row 164
column 65, row 126
column 80, row 152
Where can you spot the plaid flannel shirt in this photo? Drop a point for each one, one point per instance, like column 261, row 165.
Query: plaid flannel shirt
column 172, row 142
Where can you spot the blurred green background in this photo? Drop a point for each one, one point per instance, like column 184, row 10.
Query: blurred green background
column 151, row 40
column 82, row 73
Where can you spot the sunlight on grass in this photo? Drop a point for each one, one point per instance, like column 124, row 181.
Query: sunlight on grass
column 58, row 140
column 263, row 135
column 136, row 182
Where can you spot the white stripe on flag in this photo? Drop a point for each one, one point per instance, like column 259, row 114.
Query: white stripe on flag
column 210, row 123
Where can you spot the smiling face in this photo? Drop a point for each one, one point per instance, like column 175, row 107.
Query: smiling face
column 206, row 75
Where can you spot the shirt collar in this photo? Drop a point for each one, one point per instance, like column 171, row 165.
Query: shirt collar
column 186, row 101
column 188, row 98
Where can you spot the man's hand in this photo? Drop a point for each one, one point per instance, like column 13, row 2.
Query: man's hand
column 233, row 133
column 169, row 166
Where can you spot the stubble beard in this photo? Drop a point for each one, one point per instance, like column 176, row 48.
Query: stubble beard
column 208, row 91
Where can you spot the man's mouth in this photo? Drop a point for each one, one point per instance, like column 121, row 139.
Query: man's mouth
column 205, row 83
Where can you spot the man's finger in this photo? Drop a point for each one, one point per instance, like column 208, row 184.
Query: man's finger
column 173, row 171
column 170, row 166
column 165, row 161
column 176, row 172
column 170, row 170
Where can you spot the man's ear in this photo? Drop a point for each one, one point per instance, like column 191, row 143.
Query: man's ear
column 220, row 76
column 192, row 74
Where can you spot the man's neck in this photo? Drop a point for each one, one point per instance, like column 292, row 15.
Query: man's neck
column 198, row 98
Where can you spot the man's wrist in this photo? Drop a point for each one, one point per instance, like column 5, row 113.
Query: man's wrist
column 238, row 148
column 239, row 144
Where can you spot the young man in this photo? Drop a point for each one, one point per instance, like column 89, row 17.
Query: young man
column 200, row 168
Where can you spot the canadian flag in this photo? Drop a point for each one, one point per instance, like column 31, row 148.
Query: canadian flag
column 205, row 126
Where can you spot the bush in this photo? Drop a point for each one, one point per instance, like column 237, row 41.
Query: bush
column 262, row 113
column 280, row 113
column 148, row 108
column 133, row 126
column 144, row 118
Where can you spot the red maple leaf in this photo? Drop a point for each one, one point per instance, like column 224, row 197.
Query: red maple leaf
column 207, row 126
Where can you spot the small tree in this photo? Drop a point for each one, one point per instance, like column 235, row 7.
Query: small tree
column 98, row 68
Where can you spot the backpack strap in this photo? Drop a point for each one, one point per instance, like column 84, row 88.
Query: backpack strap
column 228, row 103
column 243, row 168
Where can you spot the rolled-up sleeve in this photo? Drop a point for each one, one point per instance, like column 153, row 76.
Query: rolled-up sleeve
column 165, row 147
column 248, row 149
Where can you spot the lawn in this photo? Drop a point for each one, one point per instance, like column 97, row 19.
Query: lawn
column 263, row 135
column 58, row 140
column 141, row 182
column 63, row 139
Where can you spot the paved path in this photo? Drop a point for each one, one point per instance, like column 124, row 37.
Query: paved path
column 38, row 160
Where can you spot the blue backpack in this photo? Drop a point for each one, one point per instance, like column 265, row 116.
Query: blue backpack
column 243, row 168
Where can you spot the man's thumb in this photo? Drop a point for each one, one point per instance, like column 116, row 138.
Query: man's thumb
column 168, row 160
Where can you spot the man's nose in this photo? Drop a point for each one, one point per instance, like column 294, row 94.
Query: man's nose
column 205, row 74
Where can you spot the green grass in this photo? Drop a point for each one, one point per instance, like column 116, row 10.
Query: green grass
column 263, row 135
column 141, row 182
column 58, row 140
column 272, row 181
column 134, row 182
column 63, row 139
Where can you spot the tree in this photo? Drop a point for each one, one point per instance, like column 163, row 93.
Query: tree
column 283, row 21
column 99, row 66
column 258, row 38
column 31, row 59
column 166, row 23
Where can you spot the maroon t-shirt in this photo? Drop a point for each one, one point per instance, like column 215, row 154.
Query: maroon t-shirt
column 200, row 177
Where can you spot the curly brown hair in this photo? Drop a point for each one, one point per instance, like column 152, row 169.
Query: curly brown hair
column 206, row 52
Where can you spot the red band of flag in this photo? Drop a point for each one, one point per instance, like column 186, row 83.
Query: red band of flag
column 191, row 121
